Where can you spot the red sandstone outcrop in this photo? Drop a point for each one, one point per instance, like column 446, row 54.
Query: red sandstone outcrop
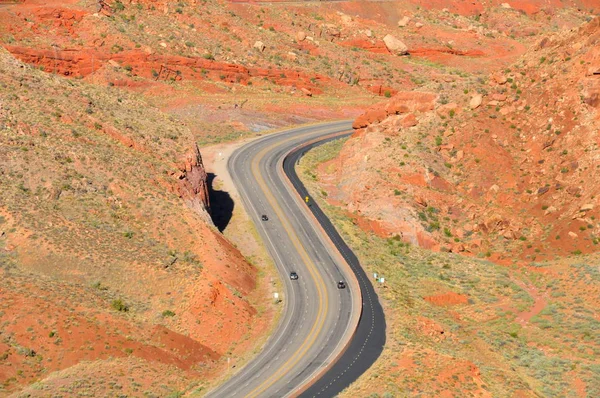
column 403, row 102
column 193, row 183
column 81, row 63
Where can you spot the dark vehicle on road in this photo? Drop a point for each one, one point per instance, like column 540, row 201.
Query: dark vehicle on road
column 341, row 285
column 293, row 276
column 265, row 217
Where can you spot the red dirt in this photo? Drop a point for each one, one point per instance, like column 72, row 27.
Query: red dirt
column 450, row 371
column 540, row 302
column 66, row 336
column 446, row 299
column 374, row 46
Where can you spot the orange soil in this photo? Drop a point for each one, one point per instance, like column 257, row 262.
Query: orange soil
column 450, row 298
column 67, row 335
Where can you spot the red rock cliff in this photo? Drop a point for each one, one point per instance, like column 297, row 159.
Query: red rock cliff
column 193, row 184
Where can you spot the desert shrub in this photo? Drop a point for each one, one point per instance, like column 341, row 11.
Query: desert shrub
column 119, row 305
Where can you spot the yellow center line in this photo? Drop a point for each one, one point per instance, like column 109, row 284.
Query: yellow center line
column 320, row 321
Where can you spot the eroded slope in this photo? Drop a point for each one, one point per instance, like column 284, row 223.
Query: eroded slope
column 501, row 165
column 106, row 248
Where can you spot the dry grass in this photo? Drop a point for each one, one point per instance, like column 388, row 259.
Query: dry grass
column 88, row 210
column 488, row 345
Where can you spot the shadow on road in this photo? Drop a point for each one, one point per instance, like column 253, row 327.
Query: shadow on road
column 221, row 205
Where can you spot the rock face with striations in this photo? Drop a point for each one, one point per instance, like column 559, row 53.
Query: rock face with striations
column 193, row 183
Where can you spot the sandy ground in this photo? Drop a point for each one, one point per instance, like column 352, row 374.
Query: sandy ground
column 215, row 160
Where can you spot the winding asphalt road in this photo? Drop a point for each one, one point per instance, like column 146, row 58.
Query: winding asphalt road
column 326, row 337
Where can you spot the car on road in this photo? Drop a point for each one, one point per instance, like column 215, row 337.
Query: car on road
column 341, row 285
column 293, row 276
column 264, row 217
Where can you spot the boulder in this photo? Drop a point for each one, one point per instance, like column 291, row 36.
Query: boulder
column 334, row 32
column 500, row 79
column 260, row 46
column 402, row 102
column 593, row 70
column 409, row 120
column 476, row 101
column 590, row 92
column 404, row 21
column 420, row 201
column 399, row 122
column 458, row 248
column 300, row 36
column 587, row 207
column 396, row 107
column 369, row 117
column 394, row 45
column 509, row 235
column 446, row 109
column 411, row 101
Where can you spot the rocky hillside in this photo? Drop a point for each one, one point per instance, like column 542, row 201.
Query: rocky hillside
column 464, row 326
column 113, row 280
column 107, row 258
column 500, row 165
column 180, row 52
column 477, row 200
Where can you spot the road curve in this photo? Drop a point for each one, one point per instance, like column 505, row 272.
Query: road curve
column 321, row 343
column 369, row 338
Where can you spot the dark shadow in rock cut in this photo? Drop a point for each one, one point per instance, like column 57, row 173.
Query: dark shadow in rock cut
column 221, row 205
